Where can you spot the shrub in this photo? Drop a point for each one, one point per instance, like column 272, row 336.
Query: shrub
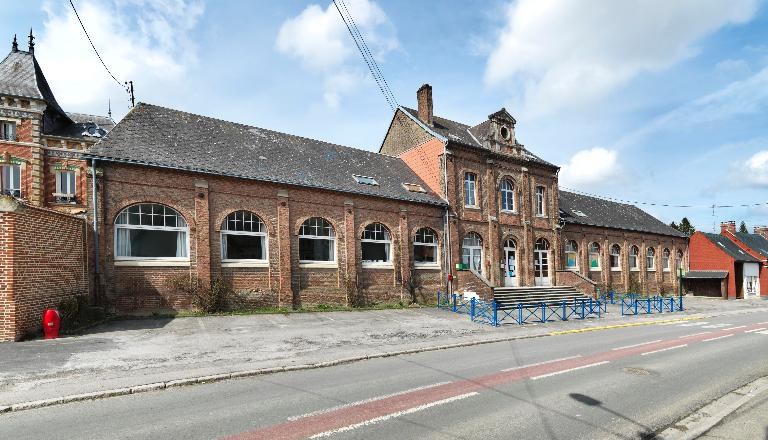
column 213, row 297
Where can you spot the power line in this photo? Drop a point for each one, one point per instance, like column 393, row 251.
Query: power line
column 94, row 47
column 665, row 205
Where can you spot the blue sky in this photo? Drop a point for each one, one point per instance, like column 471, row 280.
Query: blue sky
column 651, row 100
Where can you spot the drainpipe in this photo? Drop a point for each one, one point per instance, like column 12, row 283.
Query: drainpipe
column 447, row 241
column 95, row 223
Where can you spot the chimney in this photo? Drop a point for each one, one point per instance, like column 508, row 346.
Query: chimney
column 424, row 97
column 762, row 230
column 729, row 226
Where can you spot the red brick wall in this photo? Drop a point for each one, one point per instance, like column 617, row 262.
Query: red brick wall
column 424, row 160
column 706, row 255
column 42, row 263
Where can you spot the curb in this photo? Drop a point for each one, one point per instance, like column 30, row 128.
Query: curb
column 35, row 404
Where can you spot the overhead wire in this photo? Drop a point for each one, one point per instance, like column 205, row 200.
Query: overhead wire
column 93, row 46
column 666, row 205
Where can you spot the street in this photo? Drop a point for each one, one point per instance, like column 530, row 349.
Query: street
column 616, row 383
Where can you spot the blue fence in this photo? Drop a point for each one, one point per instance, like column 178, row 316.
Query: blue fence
column 651, row 304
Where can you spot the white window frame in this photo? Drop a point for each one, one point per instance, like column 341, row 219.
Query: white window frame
column 387, row 241
column 15, row 173
column 633, row 257
column 613, row 255
column 571, row 247
column 541, row 198
column 70, row 192
column 650, row 257
column 507, row 194
column 151, row 261
column 4, row 133
column 244, row 262
column 590, row 253
column 470, row 189
column 665, row 257
column 471, row 249
column 333, row 263
column 417, row 242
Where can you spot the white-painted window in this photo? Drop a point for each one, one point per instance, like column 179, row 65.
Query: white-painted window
column 571, row 255
column 472, row 251
column 243, row 238
column 151, row 231
column 7, row 131
column 317, row 241
column 507, row 196
column 616, row 257
column 376, row 245
column 633, row 254
column 66, row 185
column 540, row 201
column 650, row 259
column 470, row 190
column 594, row 256
column 665, row 260
column 10, row 180
column 425, row 248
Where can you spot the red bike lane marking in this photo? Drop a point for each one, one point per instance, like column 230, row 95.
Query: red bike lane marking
column 333, row 420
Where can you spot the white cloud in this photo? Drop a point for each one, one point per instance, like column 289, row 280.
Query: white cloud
column 319, row 39
column 560, row 54
column 591, row 167
column 146, row 41
column 753, row 171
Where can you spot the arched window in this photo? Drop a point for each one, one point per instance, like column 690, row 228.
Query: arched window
column 472, row 251
column 243, row 238
column 665, row 260
column 594, row 256
column 650, row 261
column 571, row 255
column 317, row 241
column 633, row 253
column 541, row 245
column 507, row 196
column 150, row 231
column 679, row 260
column 376, row 244
column 425, row 248
column 615, row 257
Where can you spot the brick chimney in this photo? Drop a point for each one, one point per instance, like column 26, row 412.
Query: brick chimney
column 424, row 98
column 762, row 230
column 729, row 226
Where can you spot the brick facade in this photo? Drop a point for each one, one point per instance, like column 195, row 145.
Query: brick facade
column 44, row 261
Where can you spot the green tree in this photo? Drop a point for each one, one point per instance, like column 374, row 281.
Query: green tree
column 743, row 228
column 686, row 227
column 673, row 225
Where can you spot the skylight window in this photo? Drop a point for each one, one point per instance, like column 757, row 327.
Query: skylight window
column 365, row 180
column 578, row 213
column 414, row 187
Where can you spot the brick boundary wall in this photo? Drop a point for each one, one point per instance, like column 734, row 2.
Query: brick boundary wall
column 43, row 261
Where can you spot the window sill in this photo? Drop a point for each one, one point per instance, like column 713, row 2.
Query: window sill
column 650, row 270
column 378, row 266
column 434, row 266
column 235, row 263
column 634, row 270
column 667, row 270
column 471, row 207
column 505, row 211
column 572, row 269
column 595, row 270
column 540, row 216
column 152, row 263
column 615, row 269
column 318, row 265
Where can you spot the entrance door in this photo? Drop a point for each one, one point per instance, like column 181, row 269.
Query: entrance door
column 510, row 263
column 751, row 279
column 541, row 263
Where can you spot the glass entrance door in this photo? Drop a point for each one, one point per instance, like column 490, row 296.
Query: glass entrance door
column 510, row 264
column 541, row 263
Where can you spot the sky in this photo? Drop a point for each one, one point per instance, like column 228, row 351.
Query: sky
column 642, row 100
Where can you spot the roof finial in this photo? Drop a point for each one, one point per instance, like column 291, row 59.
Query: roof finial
column 15, row 44
column 109, row 108
column 31, row 42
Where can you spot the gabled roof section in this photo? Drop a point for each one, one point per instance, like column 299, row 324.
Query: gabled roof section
column 706, row 274
column 592, row 211
column 503, row 115
column 21, row 76
column 729, row 247
column 446, row 129
column 158, row 136
column 756, row 242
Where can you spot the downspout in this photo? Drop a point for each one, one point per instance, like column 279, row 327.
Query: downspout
column 447, row 259
column 95, row 226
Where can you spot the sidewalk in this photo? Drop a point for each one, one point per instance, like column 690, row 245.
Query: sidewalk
column 143, row 351
column 748, row 422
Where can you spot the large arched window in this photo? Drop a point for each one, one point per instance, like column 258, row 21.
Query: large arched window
column 425, row 248
column 633, row 253
column 650, row 260
column 472, row 251
column 150, row 231
column 376, row 244
column 594, row 256
column 243, row 238
column 665, row 260
column 616, row 257
column 571, row 255
column 507, row 190
column 541, row 245
column 317, row 241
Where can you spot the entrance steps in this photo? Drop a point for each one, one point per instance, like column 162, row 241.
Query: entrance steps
column 509, row 297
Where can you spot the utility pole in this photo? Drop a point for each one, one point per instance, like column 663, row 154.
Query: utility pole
column 129, row 89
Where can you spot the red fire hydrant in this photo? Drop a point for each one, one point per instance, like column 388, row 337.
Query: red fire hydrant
column 51, row 324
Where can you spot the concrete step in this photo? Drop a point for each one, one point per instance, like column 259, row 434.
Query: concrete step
column 510, row 297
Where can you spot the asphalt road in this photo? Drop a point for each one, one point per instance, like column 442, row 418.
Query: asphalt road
column 621, row 383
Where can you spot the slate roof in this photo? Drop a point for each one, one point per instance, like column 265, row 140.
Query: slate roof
column 755, row 242
column 105, row 122
column 730, row 248
column 159, row 136
column 85, row 126
column 706, row 274
column 604, row 213
column 21, row 76
column 460, row 133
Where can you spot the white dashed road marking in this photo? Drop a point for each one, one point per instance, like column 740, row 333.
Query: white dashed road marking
column 541, row 363
column 717, row 338
column 663, row 349
column 569, row 370
column 756, row 330
column 695, row 334
column 637, row 345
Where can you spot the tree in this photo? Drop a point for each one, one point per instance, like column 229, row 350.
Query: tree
column 686, row 227
column 673, row 225
column 743, row 228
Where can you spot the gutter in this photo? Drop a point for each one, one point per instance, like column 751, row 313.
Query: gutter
column 96, row 268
